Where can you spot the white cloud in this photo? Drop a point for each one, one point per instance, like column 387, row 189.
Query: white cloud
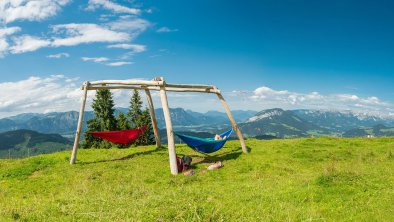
column 4, row 33
column 119, row 63
column 121, row 31
column 95, row 59
column 75, row 34
column 56, row 93
column 3, row 46
column 130, row 24
column 59, row 55
column 9, row 31
column 166, row 29
column 31, row 10
column 65, row 35
column 105, row 59
column 28, row 43
column 36, row 94
column 265, row 91
column 94, row 4
column 265, row 97
column 136, row 48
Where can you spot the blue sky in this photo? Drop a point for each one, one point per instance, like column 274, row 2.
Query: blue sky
column 262, row 54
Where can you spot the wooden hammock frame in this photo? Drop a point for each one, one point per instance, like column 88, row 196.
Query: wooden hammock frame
column 157, row 84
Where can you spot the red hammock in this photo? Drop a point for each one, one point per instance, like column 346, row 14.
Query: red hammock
column 121, row 136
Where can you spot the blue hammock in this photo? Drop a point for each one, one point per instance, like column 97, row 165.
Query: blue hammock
column 205, row 145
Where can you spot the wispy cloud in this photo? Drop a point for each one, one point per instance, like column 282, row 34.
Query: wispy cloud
column 106, row 61
column 4, row 33
column 95, row 59
column 59, row 55
column 28, row 43
column 14, row 10
column 9, row 31
column 133, row 47
column 134, row 26
column 166, row 29
column 118, row 63
column 75, row 34
column 106, row 4
column 136, row 48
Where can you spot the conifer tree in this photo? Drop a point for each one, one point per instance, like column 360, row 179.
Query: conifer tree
column 140, row 118
column 104, row 119
column 135, row 109
column 103, row 107
column 90, row 141
column 148, row 137
column 123, row 123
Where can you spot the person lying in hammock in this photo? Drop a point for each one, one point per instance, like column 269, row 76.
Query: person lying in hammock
column 218, row 137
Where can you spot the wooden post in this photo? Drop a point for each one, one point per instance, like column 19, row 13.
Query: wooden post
column 170, row 132
column 153, row 118
column 79, row 127
column 235, row 127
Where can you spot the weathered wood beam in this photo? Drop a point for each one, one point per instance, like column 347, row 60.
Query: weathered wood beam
column 188, row 86
column 170, row 132
column 115, row 87
column 233, row 123
column 152, row 88
column 79, row 126
column 127, row 82
column 153, row 118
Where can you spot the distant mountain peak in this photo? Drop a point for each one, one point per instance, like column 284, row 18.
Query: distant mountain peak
column 349, row 113
column 266, row 114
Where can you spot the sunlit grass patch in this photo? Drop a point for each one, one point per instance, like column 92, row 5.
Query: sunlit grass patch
column 324, row 179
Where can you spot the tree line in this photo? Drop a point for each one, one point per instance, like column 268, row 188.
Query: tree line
column 105, row 120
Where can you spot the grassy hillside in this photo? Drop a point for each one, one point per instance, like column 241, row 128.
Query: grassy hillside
column 322, row 179
column 376, row 131
column 23, row 143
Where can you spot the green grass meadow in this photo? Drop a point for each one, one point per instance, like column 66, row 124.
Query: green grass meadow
column 314, row 179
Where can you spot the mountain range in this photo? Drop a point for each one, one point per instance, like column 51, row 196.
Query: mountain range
column 279, row 123
column 65, row 123
column 274, row 122
column 305, row 123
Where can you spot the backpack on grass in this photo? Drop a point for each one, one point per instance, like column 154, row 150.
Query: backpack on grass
column 183, row 163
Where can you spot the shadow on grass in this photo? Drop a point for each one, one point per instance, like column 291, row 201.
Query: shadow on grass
column 230, row 155
column 130, row 156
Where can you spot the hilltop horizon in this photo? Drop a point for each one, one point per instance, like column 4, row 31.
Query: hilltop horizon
column 88, row 109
